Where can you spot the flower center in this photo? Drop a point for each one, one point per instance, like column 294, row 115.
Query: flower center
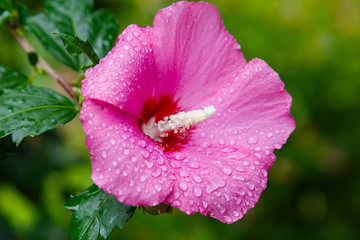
column 177, row 123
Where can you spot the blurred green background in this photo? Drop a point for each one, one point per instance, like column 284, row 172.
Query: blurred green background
column 314, row 186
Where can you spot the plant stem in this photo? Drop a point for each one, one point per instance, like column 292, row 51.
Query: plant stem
column 25, row 45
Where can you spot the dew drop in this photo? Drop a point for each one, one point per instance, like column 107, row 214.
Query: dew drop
column 198, row 179
column 232, row 142
column 222, row 209
column 277, row 145
column 156, row 173
column 157, row 188
column 197, row 192
column 183, row 186
column 184, row 173
column 103, row 154
column 143, row 178
column 194, row 165
column 252, row 140
column 176, row 195
column 227, row 219
column 149, row 164
column 112, row 142
column 132, row 183
column 126, row 152
column 226, row 170
column 236, row 213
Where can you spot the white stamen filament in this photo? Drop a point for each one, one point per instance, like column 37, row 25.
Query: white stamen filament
column 178, row 123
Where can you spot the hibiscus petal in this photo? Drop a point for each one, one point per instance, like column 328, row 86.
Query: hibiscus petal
column 217, row 182
column 253, row 113
column 125, row 77
column 193, row 52
column 126, row 163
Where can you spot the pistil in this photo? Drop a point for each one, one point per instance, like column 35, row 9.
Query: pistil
column 178, row 123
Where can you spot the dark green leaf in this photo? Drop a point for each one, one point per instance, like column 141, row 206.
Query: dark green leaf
column 33, row 58
column 41, row 26
column 74, row 18
column 96, row 214
column 76, row 47
column 31, row 111
column 12, row 11
column 6, row 4
column 11, row 79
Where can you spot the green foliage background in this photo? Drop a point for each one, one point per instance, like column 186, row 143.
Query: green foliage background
column 314, row 186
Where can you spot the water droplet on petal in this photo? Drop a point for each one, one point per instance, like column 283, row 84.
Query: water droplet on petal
column 176, row 203
column 198, row 179
column 277, row 145
column 183, row 186
column 184, row 173
column 149, row 164
column 143, row 178
column 221, row 208
column 197, row 192
column 226, row 170
column 236, row 213
column 103, row 154
column 227, row 219
column 194, row 165
column 252, row 140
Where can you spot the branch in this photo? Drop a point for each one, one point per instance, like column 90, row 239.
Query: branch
column 27, row 48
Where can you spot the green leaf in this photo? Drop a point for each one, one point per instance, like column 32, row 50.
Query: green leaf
column 11, row 79
column 96, row 214
column 13, row 11
column 6, row 4
column 31, row 111
column 4, row 17
column 73, row 18
column 76, row 47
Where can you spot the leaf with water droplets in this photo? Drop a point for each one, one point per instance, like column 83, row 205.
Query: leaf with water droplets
column 74, row 18
column 96, row 214
column 11, row 79
column 31, row 111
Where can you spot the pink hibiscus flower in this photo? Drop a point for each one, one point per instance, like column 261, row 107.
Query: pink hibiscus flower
column 174, row 114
